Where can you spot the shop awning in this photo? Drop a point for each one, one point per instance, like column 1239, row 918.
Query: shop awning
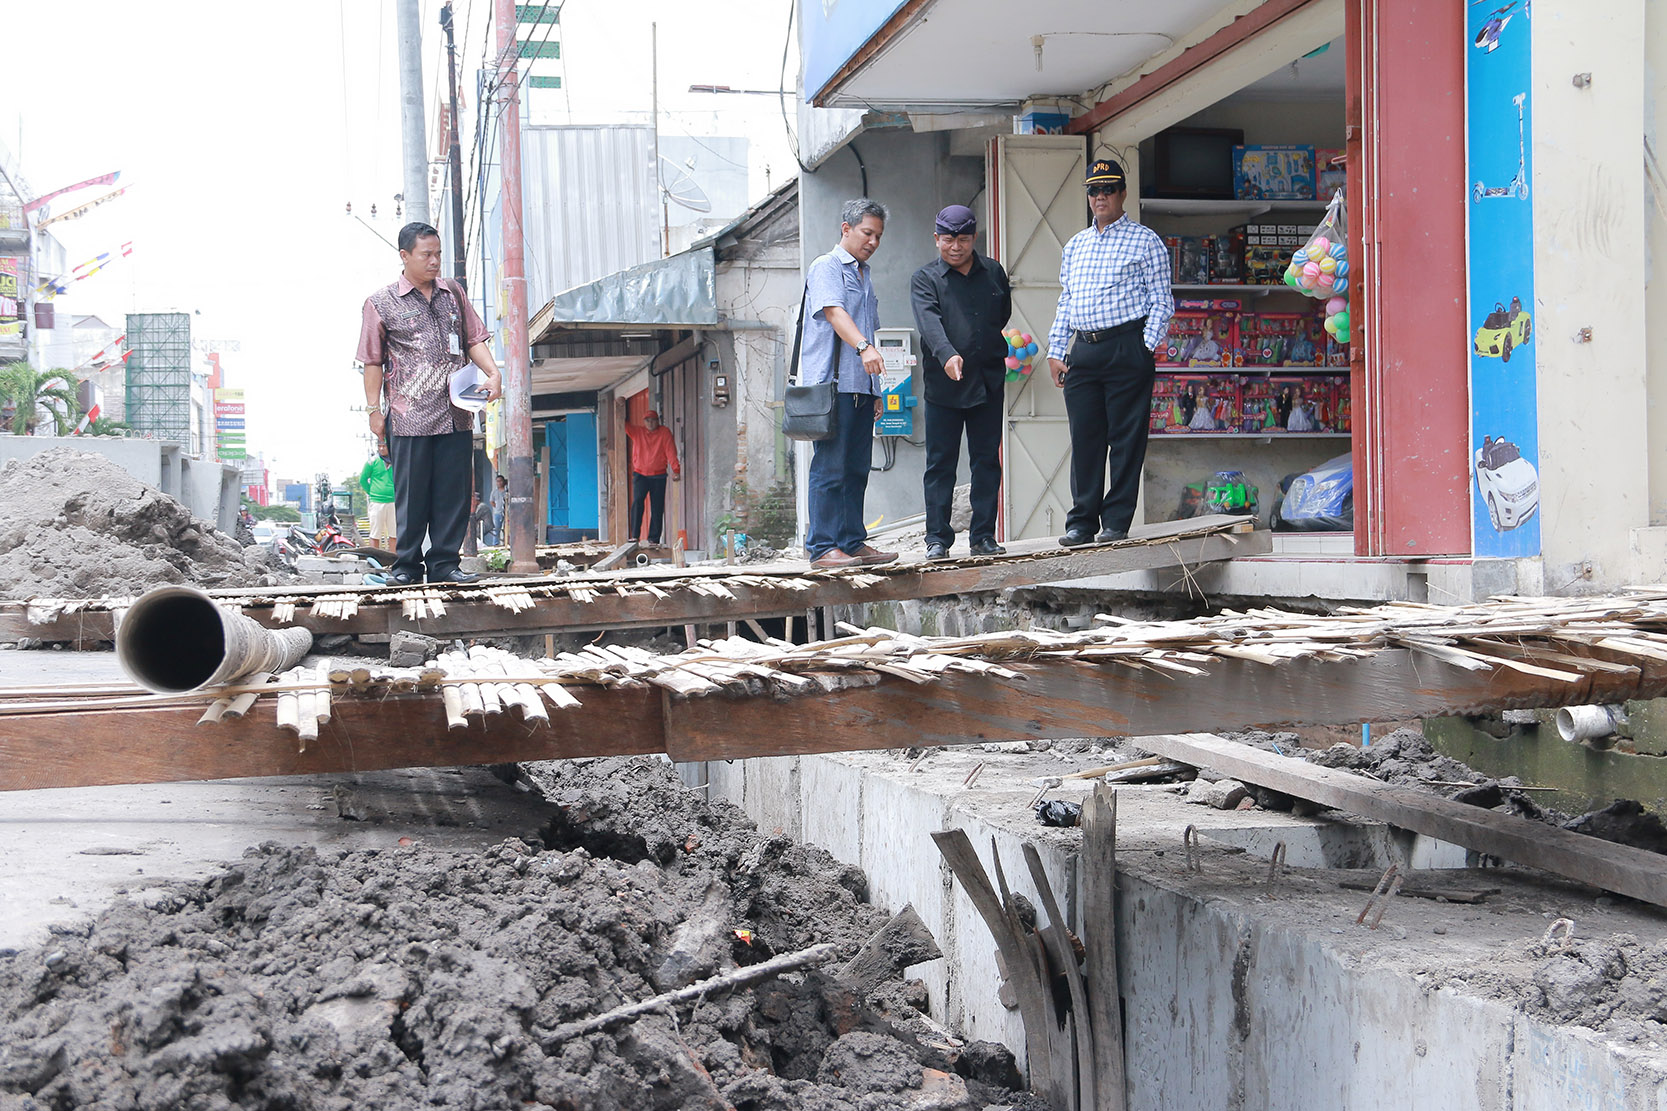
column 675, row 292
column 882, row 53
column 584, row 373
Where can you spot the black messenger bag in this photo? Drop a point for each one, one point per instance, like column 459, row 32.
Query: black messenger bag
column 807, row 412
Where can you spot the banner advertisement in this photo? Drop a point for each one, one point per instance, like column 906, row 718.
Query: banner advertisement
column 1504, row 412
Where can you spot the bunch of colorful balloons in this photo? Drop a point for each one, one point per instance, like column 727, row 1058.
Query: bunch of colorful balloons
column 1321, row 270
column 1021, row 351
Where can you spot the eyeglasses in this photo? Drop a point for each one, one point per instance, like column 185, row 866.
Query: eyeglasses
column 1104, row 190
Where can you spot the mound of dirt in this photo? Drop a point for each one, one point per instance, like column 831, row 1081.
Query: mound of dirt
column 75, row 525
column 301, row 979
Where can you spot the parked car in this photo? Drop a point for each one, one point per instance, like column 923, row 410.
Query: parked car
column 1504, row 330
column 1508, row 483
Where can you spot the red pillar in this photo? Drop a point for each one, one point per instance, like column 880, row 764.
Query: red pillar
column 1410, row 369
column 520, row 516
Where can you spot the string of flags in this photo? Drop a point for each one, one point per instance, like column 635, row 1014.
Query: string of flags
column 82, row 210
column 52, row 287
column 102, row 179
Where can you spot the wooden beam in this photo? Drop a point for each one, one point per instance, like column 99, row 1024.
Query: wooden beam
column 1074, row 698
column 1590, row 860
column 1189, row 61
column 1059, row 698
column 470, row 613
column 402, row 731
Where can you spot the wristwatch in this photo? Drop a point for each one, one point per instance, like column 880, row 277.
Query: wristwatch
column 863, row 346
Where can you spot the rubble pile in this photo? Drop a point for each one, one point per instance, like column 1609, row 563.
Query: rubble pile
column 76, row 525
column 411, row 977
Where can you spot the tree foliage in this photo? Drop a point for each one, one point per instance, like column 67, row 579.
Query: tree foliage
column 35, row 392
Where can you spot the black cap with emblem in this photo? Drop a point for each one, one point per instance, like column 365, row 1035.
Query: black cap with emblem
column 1103, row 171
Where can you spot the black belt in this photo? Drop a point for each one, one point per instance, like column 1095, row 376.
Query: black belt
column 1115, row 330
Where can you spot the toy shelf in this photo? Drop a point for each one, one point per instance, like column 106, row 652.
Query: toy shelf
column 1259, row 290
column 1189, row 207
column 1266, row 437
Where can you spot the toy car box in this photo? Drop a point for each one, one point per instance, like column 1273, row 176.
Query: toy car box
column 1202, row 333
column 1195, row 403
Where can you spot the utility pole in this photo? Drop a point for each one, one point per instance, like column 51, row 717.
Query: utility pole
column 659, row 185
column 518, row 402
column 459, row 264
column 412, row 125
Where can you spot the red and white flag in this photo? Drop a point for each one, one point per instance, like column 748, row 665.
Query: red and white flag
column 92, row 415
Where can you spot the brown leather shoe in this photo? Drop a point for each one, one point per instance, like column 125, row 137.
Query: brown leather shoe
column 834, row 559
column 870, row 556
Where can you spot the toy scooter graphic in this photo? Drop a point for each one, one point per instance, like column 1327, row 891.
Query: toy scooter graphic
column 1519, row 185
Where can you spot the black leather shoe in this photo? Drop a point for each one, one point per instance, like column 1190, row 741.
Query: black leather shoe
column 455, row 575
column 399, row 578
column 988, row 548
column 936, row 551
column 1076, row 538
column 1111, row 535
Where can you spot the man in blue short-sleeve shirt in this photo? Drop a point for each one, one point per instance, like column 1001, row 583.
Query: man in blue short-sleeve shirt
column 841, row 314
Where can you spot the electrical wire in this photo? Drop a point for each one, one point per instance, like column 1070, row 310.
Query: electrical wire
column 781, row 83
column 862, row 166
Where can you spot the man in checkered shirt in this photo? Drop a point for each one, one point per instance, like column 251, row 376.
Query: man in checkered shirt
column 1115, row 305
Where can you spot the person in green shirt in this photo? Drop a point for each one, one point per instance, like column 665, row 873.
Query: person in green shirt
column 377, row 481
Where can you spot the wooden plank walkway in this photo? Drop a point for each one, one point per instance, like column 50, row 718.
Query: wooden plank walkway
column 660, row 596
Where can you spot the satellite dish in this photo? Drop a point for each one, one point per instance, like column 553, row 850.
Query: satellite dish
column 680, row 188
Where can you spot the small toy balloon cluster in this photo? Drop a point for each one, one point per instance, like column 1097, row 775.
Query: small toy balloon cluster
column 1321, row 270
column 1021, row 353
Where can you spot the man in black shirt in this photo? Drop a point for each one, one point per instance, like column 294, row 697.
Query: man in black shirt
column 961, row 303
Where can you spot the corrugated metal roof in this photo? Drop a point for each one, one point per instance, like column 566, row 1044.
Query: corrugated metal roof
column 676, row 291
column 590, row 204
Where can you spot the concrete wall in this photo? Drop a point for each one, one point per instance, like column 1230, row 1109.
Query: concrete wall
column 913, row 175
column 1230, row 1000
column 1590, row 272
column 760, row 297
column 208, row 488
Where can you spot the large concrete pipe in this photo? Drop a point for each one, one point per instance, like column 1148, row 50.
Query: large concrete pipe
column 177, row 639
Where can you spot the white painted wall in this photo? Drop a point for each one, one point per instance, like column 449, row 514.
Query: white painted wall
column 1655, row 268
column 1588, row 194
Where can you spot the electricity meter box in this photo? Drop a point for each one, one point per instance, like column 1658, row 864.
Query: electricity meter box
column 897, row 394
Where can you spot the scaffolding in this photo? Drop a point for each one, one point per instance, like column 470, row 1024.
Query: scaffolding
column 159, row 375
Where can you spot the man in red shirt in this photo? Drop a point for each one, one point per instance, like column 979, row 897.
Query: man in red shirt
column 413, row 336
column 653, row 451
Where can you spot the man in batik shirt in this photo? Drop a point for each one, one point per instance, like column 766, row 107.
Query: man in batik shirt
column 415, row 334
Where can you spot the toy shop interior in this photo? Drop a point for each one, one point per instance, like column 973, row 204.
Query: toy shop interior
column 1251, row 410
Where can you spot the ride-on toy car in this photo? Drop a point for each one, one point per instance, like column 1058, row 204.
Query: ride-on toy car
column 1504, row 330
column 1508, row 483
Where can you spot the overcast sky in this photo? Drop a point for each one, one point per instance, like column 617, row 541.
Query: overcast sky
column 242, row 130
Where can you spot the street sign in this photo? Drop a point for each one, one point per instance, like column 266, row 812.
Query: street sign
column 538, row 13
column 228, row 395
column 541, row 50
column 234, row 425
column 544, row 82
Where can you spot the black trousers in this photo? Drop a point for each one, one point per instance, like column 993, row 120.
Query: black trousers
column 944, row 426
column 652, row 487
column 1108, row 403
column 431, row 498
